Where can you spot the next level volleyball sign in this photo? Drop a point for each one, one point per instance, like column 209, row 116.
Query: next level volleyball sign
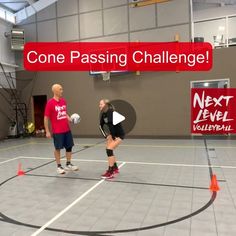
column 213, row 111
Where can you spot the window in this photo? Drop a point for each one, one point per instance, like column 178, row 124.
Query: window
column 221, row 83
column 232, row 30
column 10, row 17
column 220, row 32
column 213, row 31
column 7, row 16
column 2, row 13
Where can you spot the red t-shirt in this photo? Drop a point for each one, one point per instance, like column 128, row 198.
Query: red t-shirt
column 56, row 112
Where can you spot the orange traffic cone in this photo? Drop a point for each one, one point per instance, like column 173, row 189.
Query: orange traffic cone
column 214, row 187
column 20, row 172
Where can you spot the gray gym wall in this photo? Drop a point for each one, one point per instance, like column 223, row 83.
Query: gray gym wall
column 161, row 99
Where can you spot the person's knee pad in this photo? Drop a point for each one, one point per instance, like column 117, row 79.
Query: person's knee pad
column 109, row 152
column 69, row 149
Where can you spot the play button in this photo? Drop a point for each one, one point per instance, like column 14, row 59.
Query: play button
column 123, row 112
column 117, row 118
column 127, row 111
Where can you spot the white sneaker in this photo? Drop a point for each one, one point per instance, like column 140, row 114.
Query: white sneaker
column 60, row 170
column 71, row 167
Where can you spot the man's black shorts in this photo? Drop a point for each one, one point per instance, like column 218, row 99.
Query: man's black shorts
column 63, row 140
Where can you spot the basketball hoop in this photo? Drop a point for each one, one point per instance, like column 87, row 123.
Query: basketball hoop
column 106, row 76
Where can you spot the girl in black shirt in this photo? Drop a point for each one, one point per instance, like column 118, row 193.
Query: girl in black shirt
column 113, row 139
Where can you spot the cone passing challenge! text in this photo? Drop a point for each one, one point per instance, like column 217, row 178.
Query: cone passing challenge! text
column 118, row 56
column 138, row 57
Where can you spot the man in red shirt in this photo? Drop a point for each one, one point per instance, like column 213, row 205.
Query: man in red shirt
column 56, row 112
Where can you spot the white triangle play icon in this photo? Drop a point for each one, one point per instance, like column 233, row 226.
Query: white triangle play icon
column 117, row 118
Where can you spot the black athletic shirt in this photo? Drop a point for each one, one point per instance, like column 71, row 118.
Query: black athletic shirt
column 115, row 130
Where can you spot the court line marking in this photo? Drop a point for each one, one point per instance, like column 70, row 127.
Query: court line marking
column 162, row 164
column 12, row 159
column 135, row 145
column 138, row 163
column 123, row 145
column 16, row 146
column 70, row 206
column 75, row 144
column 147, row 145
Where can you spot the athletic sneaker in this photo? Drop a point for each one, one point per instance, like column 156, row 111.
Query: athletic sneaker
column 116, row 170
column 107, row 175
column 60, row 170
column 71, row 167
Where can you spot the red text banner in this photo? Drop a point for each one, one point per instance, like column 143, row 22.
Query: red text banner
column 104, row 56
